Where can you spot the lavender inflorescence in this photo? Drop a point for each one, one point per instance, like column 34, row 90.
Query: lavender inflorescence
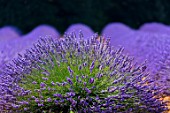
column 77, row 76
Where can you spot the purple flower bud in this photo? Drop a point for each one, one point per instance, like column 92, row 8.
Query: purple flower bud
column 69, row 81
column 70, row 71
column 80, row 67
column 87, row 90
column 92, row 66
column 34, row 82
column 25, row 109
column 46, row 73
column 42, row 85
column 53, row 83
column 91, row 80
column 77, row 78
column 39, row 104
column 100, row 67
column 15, row 106
column 85, row 83
column 45, row 78
column 36, row 100
column 84, row 64
column 49, row 100
column 71, row 94
column 64, row 83
column 59, row 84
column 73, row 103
column 33, row 97
column 57, row 95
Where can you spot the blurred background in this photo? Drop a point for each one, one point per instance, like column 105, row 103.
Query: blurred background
column 27, row 14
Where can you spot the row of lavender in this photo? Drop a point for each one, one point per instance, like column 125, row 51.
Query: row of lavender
column 150, row 44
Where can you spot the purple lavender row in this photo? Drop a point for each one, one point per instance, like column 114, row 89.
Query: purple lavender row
column 117, row 32
column 146, row 46
column 10, row 49
column 8, row 33
column 155, row 28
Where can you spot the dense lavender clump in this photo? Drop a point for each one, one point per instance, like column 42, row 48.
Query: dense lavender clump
column 8, row 33
column 76, row 28
column 77, row 76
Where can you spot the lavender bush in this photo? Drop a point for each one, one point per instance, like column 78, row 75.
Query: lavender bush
column 8, row 33
column 10, row 49
column 118, row 33
column 77, row 76
column 155, row 28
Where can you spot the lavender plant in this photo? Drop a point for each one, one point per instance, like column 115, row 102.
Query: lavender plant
column 118, row 32
column 8, row 33
column 154, row 27
column 10, row 48
column 62, row 76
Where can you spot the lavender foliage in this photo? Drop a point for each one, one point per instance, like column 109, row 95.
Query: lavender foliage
column 84, row 76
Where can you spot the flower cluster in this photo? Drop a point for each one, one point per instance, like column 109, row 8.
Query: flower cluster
column 84, row 76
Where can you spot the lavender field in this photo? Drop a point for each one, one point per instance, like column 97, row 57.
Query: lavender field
column 120, row 70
